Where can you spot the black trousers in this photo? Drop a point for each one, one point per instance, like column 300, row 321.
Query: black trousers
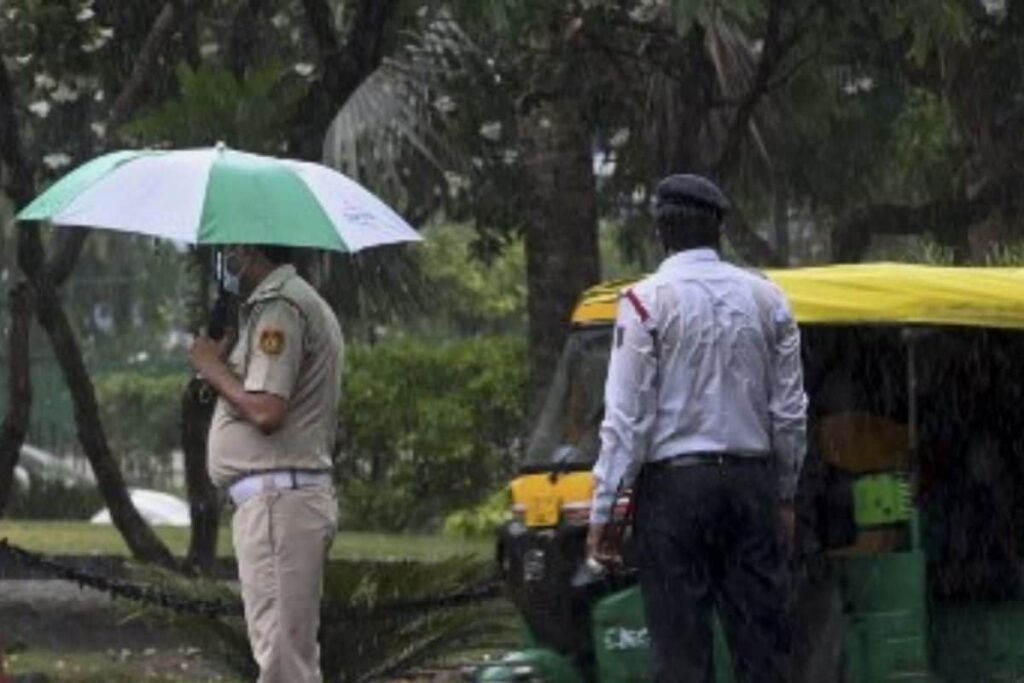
column 708, row 536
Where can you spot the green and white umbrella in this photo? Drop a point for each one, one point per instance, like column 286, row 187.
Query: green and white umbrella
column 221, row 196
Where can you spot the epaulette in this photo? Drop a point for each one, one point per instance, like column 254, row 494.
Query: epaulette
column 638, row 306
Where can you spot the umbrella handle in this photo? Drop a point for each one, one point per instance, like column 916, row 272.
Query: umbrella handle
column 219, row 315
column 206, row 393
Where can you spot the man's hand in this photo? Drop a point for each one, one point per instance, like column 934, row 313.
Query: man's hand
column 206, row 353
column 787, row 523
column 602, row 545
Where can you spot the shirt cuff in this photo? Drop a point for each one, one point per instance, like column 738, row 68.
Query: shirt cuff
column 601, row 508
column 787, row 488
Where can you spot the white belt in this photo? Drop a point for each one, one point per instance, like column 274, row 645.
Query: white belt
column 276, row 480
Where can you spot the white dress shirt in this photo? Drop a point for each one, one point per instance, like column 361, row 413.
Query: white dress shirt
column 705, row 359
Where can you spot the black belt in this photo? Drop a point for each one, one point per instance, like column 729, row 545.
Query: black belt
column 698, row 458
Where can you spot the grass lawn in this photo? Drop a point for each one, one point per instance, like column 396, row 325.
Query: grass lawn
column 82, row 538
column 115, row 666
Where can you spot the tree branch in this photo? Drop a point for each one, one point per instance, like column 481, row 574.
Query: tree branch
column 343, row 69
column 944, row 217
column 772, row 52
column 19, row 389
column 138, row 535
column 243, row 36
column 318, row 12
column 140, row 538
column 753, row 248
column 69, row 248
column 19, row 184
column 148, row 58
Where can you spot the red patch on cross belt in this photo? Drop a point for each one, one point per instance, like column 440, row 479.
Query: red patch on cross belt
column 638, row 305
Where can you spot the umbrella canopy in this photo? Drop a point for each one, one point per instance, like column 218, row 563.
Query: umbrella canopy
column 221, row 196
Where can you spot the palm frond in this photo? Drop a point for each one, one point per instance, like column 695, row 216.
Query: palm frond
column 363, row 637
column 412, row 132
column 376, row 287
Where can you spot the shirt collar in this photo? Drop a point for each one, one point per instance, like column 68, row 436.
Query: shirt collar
column 272, row 283
column 702, row 255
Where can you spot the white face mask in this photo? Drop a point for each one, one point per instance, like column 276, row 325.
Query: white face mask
column 235, row 266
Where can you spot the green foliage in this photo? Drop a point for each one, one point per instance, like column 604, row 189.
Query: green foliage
column 142, row 415
column 1005, row 255
column 216, row 106
column 482, row 520
column 428, row 428
column 361, row 637
column 470, row 294
column 53, row 499
column 380, row 643
column 922, row 250
column 923, row 146
column 934, row 27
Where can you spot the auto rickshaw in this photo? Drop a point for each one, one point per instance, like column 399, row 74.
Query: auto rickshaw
column 909, row 557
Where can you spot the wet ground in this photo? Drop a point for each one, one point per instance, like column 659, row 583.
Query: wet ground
column 44, row 623
column 70, row 633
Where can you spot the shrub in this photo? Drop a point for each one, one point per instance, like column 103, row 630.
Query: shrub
column 53, row 499
column 481, row 520
column 362, row 636
column 141, row 413
column 428, row 429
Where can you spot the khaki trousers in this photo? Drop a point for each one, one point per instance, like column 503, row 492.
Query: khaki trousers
column 281, row 541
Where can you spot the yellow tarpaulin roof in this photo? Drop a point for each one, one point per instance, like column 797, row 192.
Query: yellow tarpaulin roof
column 876, row 293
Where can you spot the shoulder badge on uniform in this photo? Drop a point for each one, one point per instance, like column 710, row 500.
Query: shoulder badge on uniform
column 638, row 306
column 272, row 341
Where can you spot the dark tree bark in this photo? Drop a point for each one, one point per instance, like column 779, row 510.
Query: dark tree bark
column 776, row 46
column 344, row 66
column 780, row 219
column 560, row 214
column 131, row 95
column 143, row 543
column 19, row 389
column 244, row 34
column 203, row 501
column 772, row 52
column 196, row 412
column 947, row 219
column 20, row 185
column 753, row 248
column 69, row 248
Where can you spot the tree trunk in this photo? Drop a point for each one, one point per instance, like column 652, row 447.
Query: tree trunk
column 244, row 36
column 44, row 279
column 562, row 257
column 19, row 390
column 143, row 543
column 780, row 209
column 203, row 502
column 343, row 65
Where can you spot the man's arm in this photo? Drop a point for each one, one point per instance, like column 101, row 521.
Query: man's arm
column 275, row 350
column 788, row 402
column 262, row 409
column 630, row 402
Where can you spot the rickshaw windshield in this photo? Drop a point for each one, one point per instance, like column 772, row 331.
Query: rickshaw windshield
column 566, row 435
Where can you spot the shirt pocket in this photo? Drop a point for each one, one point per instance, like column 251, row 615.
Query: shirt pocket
column 236, row 359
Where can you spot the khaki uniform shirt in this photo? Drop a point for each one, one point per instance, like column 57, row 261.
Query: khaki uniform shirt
column 290, row 345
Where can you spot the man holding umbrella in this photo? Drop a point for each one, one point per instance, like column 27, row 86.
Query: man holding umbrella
column 270, row 448
column 278, row 378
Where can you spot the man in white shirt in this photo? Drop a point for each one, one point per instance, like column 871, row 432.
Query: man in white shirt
column 705, row 394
